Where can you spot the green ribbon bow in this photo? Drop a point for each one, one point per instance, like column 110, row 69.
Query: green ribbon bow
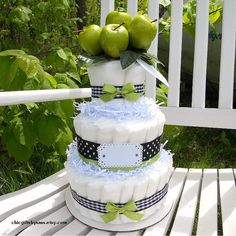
column 128, row 91
column 128, row 210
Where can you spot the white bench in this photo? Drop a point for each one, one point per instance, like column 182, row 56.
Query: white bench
column 204, row 200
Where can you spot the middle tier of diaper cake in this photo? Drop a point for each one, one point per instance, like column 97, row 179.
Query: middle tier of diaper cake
column 118, row 170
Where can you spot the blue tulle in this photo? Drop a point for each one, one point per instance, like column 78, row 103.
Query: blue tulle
column 142, row 109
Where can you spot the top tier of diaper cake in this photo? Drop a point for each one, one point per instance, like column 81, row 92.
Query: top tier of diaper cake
column 109, row 81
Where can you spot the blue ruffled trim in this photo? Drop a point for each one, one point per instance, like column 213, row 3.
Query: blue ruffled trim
column 142, row 109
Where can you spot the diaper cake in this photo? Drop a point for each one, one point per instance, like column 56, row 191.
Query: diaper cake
column 117, row 168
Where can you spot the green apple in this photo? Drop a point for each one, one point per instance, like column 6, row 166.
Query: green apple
column 89, row 39
column 142, row 31
column 114, row 39
column 119, row 17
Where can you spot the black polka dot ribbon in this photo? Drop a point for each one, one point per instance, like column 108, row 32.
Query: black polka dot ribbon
column 89, row 150
column 97, row 90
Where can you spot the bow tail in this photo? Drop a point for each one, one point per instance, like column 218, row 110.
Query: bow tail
column 134, row 215
column 110, row 216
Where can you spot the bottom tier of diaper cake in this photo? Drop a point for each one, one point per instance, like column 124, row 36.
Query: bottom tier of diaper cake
column 117, row 197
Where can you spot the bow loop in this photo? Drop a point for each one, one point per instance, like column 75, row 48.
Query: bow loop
column 128, row 91
column 127, row 88
column 128, row 210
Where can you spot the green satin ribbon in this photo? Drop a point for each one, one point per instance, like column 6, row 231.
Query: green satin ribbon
column 128, row 91
column 128, row 210
column 144, row 163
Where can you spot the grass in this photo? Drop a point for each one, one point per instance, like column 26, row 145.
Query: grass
column 16, row 175
column 201, row 147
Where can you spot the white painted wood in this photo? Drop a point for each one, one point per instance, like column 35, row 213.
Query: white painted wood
column 95, row 232
column 228, row 201
column 207, row 219
column 183, row 223
column 74, row 228
column 18, row 221
column 208, row 117
column 106, row 7
column 153, row 13
column 28, row 96
column 132, row 7
column 175, row 189
column 132, row 233
column 49, row 224
column 33, row 195
column 175, row 53
column 200, row 54
column 227, row 54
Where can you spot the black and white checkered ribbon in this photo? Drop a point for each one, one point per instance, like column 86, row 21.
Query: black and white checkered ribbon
column 97, row 90
column 101, row 207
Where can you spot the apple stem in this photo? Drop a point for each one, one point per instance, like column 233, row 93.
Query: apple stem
column 79, row 31
column 118, row 26
column 155, row 20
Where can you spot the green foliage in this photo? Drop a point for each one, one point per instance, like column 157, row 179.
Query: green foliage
column 38, row 40
column 161, row 94
column 189, row 16
column 25, row 128
column 36, row 26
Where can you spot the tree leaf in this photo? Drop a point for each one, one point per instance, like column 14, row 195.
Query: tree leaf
column 74, row 76
column 63, row 141
column 47, row 129
column 62, row 54
column 62, row 78
column 11, row 73
column 20, row 15
column 14, row 148
column 12, row 52
column 215, row 13
column 164, row 3
column 63, row 109
column 50, row 78
column 23, row 132
column 18, row 82
column 5, row 64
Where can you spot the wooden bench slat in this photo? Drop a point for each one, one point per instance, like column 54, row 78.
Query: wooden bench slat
column 132, row 233
column 207, row 219
column 183, row 223
column 74, row 228
column 228, row 201
column 32, row 195
column 56, row 218
column 32, row 213
column 99, row 232
column 175, row 188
